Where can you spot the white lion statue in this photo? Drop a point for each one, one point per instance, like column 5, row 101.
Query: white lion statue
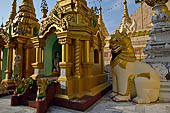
column 131, row 79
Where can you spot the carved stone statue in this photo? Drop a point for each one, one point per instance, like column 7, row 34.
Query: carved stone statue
column 17, row 64
column 131, row 78
column 3, row 88
column 56, row 62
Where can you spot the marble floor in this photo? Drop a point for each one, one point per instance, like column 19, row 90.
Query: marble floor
column 104, row 105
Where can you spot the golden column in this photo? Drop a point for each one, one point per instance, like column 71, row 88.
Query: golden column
column 8, row 72
column 79, row 80
column 0, row 64
column 87, row 51
column 66, row 64
column 102, row 60
column 29, row 55
column 39, row 64
column 65, row 79
column 87, row 65
column 77, row 58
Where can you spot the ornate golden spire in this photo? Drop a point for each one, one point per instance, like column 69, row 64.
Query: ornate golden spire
column 13, row 12
column 100, row 20
column 44, row 8
column 101, row 23
column 27, row 18
column 125, row 13
column 27, row 9
column 126, row 20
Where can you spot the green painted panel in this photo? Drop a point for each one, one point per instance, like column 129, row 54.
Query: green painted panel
column 35, row 31
column 94, row 22
column 10, row 30
column 4, row 62
column 52, row 46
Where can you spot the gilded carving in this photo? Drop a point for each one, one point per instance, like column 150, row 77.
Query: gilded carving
column 57, row 20
column 3, row 87
column 65, row 41
column 5, row 36
column 57, row 8
column 48, row 22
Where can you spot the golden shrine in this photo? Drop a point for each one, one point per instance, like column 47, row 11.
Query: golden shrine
column 17, row 48
column 69, row 44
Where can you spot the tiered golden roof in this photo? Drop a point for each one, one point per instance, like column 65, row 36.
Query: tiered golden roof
column 13, row 12
column 27, row 16
column 101, row 23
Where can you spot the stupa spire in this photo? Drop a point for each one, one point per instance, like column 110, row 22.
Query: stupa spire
column 13, row 12
column 125, row 12
column 27, row 7
column 27, row 18
column 100, row 20
column 101, row 23
column 126, row 22
column 44, row 8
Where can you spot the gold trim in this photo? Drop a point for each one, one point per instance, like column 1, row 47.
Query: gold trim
column 145, row 75
column 131, row 79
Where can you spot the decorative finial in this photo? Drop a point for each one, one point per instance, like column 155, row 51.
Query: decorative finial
column 100, row 6
column 125, row 1
column 44, row 8
column 125, row 7
column 126, row 14
column 100, row 20
column 138, row 1
column 2, row 22
column 2, row 25
column 13, row 12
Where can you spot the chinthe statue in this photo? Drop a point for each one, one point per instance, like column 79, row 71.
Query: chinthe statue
column 131, row 79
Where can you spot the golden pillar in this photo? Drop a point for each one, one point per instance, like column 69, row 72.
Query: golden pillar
column 65, row 79
column 87, row 65
column 87, row 51
column 79, row 80
column 28, row 60
column 38, row 65
column 65, row 53
column 8, row 72
column 102, row 60
column 77, row 59
column 42, row 60
column 66, row 56
column 0, row 65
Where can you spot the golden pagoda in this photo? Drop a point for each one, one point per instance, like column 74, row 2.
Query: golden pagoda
column 71, row 32
column 69, row 45
column 18, row 52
